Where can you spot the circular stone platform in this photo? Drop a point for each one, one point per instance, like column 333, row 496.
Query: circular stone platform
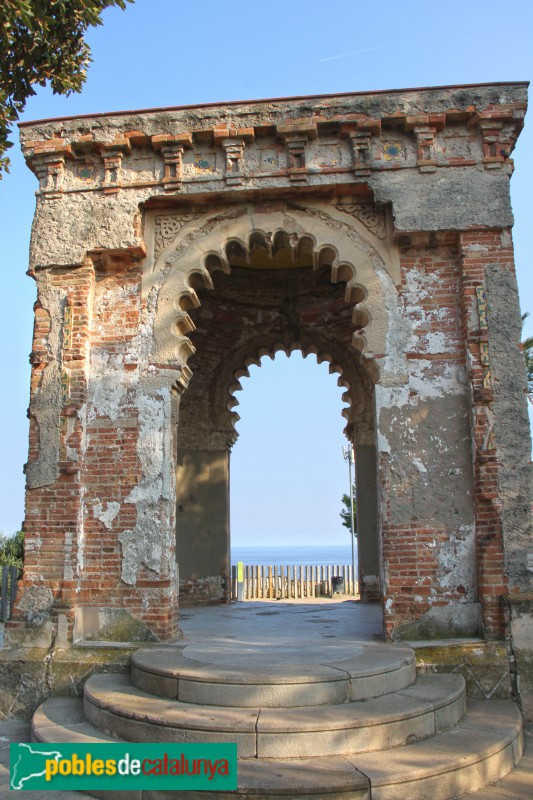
column 272, row 675
column 249, row 656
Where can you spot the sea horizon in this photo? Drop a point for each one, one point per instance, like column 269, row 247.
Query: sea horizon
column 307, row 555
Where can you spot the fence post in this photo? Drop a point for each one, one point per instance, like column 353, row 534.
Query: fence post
column 249, row 582
column 3, row 601
column 240, row 581
column 13, row 589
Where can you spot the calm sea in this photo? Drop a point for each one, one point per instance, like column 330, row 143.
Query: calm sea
column 320, row 555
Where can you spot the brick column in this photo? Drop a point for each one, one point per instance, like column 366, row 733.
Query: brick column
column 54, row 518
column 424, row 458
column 100, row 476
column 126, row 582
column 500, row 432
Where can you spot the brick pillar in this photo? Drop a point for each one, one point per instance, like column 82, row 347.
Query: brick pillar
column 100, row 514
column 126, row 583
column 424, row 457
column 500, row 431
column 54, row 518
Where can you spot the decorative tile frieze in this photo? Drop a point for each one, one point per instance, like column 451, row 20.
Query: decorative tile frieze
column 393, row 151
column 85, row 170
column 482, row 307
column 65, row 386
column 67, row 327
column 205, row 163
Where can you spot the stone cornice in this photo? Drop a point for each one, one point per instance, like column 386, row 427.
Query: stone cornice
column 440, row 159
column 314, row 141
column 110, row 166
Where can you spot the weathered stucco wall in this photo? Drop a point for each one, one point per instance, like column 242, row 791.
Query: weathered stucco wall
column 173, row 248
column 436, row 142
column 202, row 526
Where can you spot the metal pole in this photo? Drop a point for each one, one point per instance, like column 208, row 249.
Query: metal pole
column 349, row 457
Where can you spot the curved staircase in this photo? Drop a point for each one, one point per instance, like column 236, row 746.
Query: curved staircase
column 342, row 722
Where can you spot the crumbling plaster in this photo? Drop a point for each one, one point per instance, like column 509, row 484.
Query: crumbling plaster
column 511, row 424
column 153, row 197
column 116, row 392
column 78, row 219
column 47, row 400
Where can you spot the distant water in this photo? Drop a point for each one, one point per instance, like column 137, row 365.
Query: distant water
column 321, row 555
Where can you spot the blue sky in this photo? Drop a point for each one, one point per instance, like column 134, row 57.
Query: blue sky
column 287, row 468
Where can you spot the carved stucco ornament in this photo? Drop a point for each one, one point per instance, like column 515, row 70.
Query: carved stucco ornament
column 167, row 227
column 371, row 216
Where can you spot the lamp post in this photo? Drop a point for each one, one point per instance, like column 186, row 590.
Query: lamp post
column 348, row 455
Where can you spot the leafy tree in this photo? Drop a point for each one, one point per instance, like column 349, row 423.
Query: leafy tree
column 42, row 41
column 12, row 552
column 527, row 346
column 528, row 355
column 345, row 515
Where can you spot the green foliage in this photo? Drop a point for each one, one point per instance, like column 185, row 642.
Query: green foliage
column 42, row 42
column 345, row 513
column 527, row 346
column 12, row 551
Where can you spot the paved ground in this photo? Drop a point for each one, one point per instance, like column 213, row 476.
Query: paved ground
column 281, row 623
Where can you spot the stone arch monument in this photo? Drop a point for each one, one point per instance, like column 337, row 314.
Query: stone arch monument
column 172, row 248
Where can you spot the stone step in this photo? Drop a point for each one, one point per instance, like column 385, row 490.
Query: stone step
column 273, row 676
column 432, row 704
column 483, row 747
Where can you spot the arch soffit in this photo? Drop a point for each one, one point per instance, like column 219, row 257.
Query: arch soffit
column 357, row 256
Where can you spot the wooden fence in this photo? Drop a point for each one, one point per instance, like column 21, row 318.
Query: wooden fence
column 260, row 582
column 9, row 591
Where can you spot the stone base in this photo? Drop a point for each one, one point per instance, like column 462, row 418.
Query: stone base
column 30, row 675
column 463, row 620
column 521, row 608
column 484, row 665
column 212, row 590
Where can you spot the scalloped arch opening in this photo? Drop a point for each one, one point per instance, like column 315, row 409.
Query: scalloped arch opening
column 272, row 240
column 351, row 397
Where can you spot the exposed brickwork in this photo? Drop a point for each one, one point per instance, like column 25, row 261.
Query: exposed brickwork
column 478, row 250
column 415, row 578
column 199, row 591
column 172, row 249
column 72, row 547
column 53, row 511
